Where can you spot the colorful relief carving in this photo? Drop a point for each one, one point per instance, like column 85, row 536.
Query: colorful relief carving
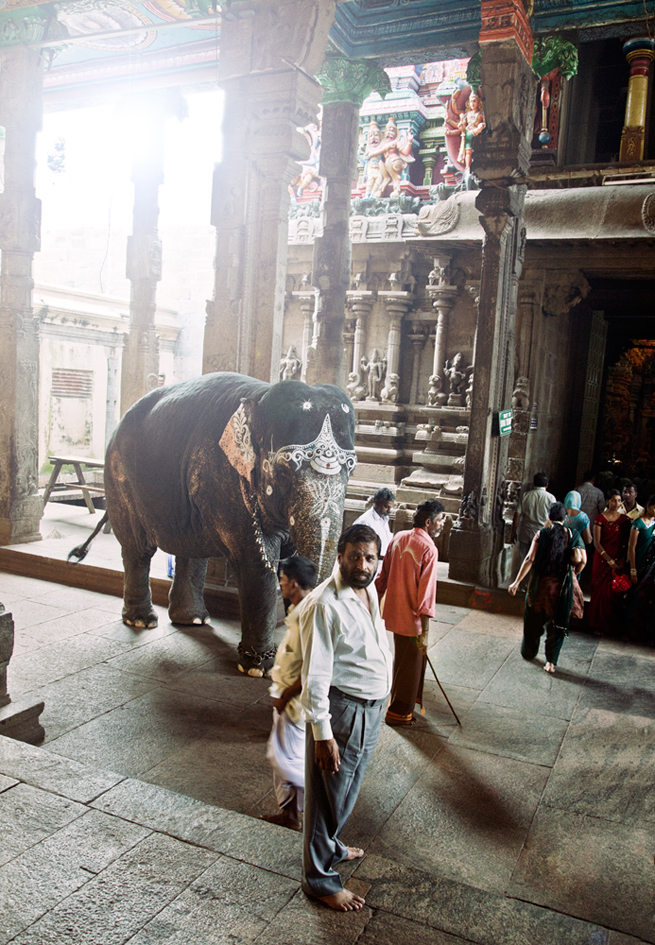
column 307, row 182
column 385, row 159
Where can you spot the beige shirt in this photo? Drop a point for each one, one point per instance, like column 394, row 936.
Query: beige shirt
column 636, row 512
column 288, row 662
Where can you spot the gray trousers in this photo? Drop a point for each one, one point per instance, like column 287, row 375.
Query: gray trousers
column 330, row 798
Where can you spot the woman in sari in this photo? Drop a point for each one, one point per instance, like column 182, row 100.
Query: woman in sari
column 611, row 531
column 556, row 556
column 641, row 554
column 577, row 520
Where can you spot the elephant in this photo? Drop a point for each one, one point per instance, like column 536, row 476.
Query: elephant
column 226, row 465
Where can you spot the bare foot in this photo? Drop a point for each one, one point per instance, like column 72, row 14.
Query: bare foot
column 550, row 667
column 354, row 853
column 343, row 901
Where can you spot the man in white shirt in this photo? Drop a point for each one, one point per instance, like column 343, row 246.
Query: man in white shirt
column 630, row 506
column 377, row 518
column 593, row 498
column 286, row 745
column 532, row 513
column 346, row 678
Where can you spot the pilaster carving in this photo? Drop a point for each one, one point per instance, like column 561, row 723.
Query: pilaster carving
column 443, row 296
column 21, row 108
column 640, row 52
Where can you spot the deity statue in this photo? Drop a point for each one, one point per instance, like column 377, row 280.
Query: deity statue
column 471, row 124
column 387, row 159
column 308, row 178
column 375, row 369
column 390, row 392
column 455, row 375
column 290, row 365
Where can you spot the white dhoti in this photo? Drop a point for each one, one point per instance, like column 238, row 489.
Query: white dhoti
column 286, row 753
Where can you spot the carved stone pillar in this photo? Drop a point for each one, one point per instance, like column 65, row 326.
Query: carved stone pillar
column 640, row 52
column 360, row 304
column 21, row 106
column 397, row 305
column 500, row 154
column 140, row 365
column 306, row 297
column 268, row 55
column 443, row 297
column 418, row 336
column 346, row 83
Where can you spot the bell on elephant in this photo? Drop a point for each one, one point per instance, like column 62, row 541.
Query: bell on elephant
column 226, row 465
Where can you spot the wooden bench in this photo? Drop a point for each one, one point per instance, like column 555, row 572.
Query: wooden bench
column 77, row 462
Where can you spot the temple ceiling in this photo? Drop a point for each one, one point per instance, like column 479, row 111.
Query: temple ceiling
column 104, row 40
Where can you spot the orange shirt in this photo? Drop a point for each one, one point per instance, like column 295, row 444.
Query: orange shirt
column 409, row 578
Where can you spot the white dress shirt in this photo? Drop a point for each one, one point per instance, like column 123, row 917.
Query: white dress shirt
column 343, row 645
column 379, row 524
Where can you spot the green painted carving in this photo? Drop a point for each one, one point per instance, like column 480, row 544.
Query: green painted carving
column 349, row 81
column 553, row 52
column 24, row 26
column 473, row 75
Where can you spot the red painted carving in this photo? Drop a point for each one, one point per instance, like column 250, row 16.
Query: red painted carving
column 507, row 19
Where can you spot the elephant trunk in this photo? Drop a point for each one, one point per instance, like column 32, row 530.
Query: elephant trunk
column 316, row 519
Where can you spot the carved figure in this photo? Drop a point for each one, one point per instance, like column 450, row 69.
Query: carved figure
column 308, row 178
column 290, row 365
column 469, row 391
column 455, row 375
column 390, row 391
column 393, row 154
column 521, row 394
column 225, row 465
column 435, row 397
column 355, row 388
column 375, row 370
column 373, row 160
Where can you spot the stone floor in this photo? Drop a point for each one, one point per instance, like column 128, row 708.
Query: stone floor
column 531, row 823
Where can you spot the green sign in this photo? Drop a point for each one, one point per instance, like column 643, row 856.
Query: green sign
column 505, row 422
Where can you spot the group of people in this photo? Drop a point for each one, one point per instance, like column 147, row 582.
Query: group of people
column 553, row 538
column 334, row 675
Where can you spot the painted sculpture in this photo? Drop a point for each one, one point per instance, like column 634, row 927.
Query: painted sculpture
column 226, row 465
column 386, row 159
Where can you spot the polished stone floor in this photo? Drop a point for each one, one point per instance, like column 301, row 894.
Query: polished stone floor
column 533, row 822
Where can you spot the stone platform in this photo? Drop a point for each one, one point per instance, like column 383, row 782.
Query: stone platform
column 531, row 824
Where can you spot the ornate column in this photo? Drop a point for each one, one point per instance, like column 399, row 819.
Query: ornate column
column 360, row 303
column 501, row 153
column 140, row 364
column 640, row 52
column 21, row 107
column 443, row 297
column 307, row 299
column 269, row 53
column 418, row 336
column 397, row 304
column 346, row 83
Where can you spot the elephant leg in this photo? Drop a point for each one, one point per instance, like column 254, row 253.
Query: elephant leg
column 137, row 600
column 258, row 589
column 186, row 597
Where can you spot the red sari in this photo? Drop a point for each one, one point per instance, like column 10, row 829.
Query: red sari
column 605, row 605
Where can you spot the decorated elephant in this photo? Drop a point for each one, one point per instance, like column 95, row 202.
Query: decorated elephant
column 226, row 465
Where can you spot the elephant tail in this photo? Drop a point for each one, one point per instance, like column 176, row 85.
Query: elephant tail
column 79, row 552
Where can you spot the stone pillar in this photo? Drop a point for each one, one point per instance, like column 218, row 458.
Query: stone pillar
column 306, row 297
column 397, row 305
column 346, row 84
column 501, row 153
column 640, row 52
column 113, row 353
column 443, row 297
column 360, row 304
column 21, row 106
column 268, row 55
column 417, row 336
column 140, row 363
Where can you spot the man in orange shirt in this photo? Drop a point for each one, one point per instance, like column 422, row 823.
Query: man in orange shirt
column 409, row 580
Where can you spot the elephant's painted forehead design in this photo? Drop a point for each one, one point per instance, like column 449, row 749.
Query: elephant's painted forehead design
column 323, row 454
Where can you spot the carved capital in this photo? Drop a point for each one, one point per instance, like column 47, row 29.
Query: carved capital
column 350, row 81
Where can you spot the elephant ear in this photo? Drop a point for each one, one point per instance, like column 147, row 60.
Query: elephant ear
column 236, row 443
